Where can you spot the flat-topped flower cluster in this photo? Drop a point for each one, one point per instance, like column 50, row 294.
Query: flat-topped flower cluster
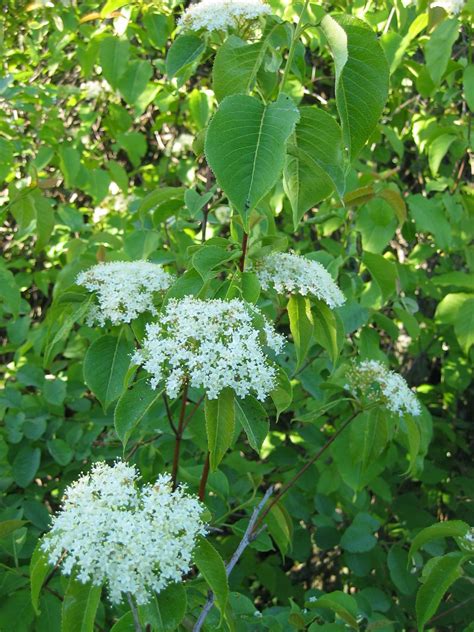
column 371, row 380
column 124, row 289
column 219, row 15
column 137, row 541
column 211, row 344
column 294, row 274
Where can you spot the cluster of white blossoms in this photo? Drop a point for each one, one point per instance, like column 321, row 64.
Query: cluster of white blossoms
column 219, row 15
column 375, row 382
column 124, row 289
column 135, row 540
column 211, row 344
column 450, row 6
column 294, row 274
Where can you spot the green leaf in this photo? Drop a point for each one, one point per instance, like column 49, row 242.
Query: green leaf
column 326, row 330
column 185, row 50
column 449, row 528
column 314, row 167
column 464, row 325
column 61, row 452
column 468, row 82
column 438, row 150
column 113, row 56
column 362, row 76
column 25, row 465
column 220, row 422
column 245, row 147
column 80, row 607
column 133, row 407
column 39, row 569
column 397, row 561
column 236, row 66
column 414, row 441
column 135, row 79
column 9, row 526
column 438, row 48
column 156, row 25
column 254, row 419
column 377, row 224
column 430, row 217
column 383, row 272
column 282, row 394
column 441, row 574
column 301, row 326
column 279, row 527
column 250, row 287
column 212, row 568
column 124, row 624
column 105, row 367
column 345, row 606
column 9, row 291
column 166, row 610
column 209, row 257
column 369, row 436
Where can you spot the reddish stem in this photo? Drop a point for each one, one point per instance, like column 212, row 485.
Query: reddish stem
column 179, row 436
column 245, row 239
column 203, row 482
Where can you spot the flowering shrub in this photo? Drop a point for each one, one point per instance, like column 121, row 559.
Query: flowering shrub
column 236, row 304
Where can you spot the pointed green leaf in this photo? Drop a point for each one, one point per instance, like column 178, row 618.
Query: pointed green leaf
column 438, row 48
column 245, row 147
column 105, row 367
column 301, row 325
column 133, row 407
column 113, row 56
column 236, row 66
column 135, row 79
column 326, row 332
column 212, row 568
column 314, row 167
column 362, row 76
column 449, row 528
column 39, row 569
column 254, row 419
column 345, row 606
column 441, row 573
column 282, row 394
column 80, row 607
column 185, row 50
column 220, row 422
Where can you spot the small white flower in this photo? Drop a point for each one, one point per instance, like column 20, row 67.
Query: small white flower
column 219, row 15
column 214, row 344
column 450, row 6
column 312, row 599
column 372, row 380
column 294, row 274
column 124, row 289
column 135, row 540
column 257, row 614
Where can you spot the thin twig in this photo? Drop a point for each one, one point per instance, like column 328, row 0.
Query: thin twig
column 179, row 435
column 245, row 240
column 136, row 619
column 191, row 414
column 169, row 415
column 305, row 467
column 247, row 538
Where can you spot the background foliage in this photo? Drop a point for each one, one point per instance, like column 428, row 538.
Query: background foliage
column 101, row 158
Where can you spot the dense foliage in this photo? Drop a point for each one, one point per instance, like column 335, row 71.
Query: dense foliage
column 336, row 131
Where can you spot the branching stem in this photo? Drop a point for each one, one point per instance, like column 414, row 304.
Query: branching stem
column 247, row 538
column 136, row 619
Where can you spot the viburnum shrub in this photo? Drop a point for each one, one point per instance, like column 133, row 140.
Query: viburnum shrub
column 238, row 316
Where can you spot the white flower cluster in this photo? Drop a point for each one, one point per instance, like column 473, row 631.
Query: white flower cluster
column 450, row 6
column 124, row 289
column 288, row 272
column 375, row 382
column 135, row 540
column 219, row 15
column 213, row 344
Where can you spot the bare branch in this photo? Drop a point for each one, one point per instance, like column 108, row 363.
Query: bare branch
column 247, row 538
